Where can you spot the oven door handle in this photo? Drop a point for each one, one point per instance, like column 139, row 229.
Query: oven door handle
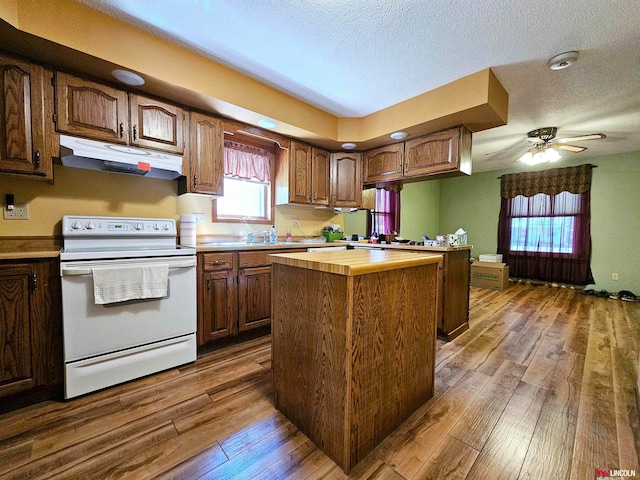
column 71, row 271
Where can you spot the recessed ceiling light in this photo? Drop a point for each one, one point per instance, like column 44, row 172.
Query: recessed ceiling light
column 128, row 78
column 348, row 146
column 266, row 123
column 399, row 135
column 563, row 60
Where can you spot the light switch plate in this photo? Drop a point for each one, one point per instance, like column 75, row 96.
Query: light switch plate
column 199, row 218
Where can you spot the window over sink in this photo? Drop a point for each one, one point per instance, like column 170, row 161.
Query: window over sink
column 247, row 183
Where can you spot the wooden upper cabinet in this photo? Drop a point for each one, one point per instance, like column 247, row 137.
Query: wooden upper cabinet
column 346, row 179
column 90, row 109
column 206, row 155
column 25, row 139
column 384, row 164
column 320, row 177
column 309, row 175
column 299, row 173
column 437, row 153
column 156, row 124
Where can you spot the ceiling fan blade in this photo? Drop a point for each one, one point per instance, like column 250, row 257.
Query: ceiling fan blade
column 570, row 148
column 506, row 150
column 592, row 136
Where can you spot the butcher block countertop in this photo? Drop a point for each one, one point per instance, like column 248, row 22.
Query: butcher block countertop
column 406, row 246
column 354, row 262
column 27, row 255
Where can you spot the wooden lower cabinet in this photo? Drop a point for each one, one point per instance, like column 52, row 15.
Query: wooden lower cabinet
column 453, row 316
column 254, row 285
column 30, row 333
column 234, row 292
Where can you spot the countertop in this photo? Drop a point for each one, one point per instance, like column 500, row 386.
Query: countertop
column 404, row 246
column 26, row 255
column 224, row 247
column 354, row 262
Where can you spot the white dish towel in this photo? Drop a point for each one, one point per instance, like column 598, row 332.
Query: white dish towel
column 118, row 284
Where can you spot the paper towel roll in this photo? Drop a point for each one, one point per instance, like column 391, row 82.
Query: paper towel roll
column 188, row 230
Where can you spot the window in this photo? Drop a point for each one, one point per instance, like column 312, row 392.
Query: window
column 544, row 225
column 247, row 184
column 385, row 216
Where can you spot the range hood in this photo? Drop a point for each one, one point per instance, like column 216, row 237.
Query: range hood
column 108, row 157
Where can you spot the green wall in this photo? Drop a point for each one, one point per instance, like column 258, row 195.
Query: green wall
column 420, row 209
column 419, row 212
column 474, row 203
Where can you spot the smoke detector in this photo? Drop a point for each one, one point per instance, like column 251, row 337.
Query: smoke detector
column 563, row 60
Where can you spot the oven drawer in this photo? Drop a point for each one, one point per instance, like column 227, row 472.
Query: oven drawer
column 218, row 261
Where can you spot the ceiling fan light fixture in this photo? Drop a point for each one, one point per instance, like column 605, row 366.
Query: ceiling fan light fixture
column 563, row 60
column 537, row 156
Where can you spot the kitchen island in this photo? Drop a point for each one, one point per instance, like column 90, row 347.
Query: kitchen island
column 353, row 344
column 453, row 304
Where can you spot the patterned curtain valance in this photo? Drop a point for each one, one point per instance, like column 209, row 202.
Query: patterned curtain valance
column 246, row 161
column 550, row 182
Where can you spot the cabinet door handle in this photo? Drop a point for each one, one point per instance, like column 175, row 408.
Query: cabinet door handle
column 34, row 282
column 121, row 130
column 194, row 181
column 135, row 132
column 36, row 159
column 220, row 262
column 208, row 284
column 315, row 195
column 309, row 195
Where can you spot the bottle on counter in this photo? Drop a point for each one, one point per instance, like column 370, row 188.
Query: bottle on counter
column 273, row 234
column 287, row 237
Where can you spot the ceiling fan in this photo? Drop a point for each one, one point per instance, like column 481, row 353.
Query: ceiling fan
column 546, row 145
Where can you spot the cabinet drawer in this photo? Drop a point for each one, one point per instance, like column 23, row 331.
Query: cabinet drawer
column 218, row 261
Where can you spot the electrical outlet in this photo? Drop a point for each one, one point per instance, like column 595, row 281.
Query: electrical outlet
column 20, row 212
column 199, row 218
column 614, row 276
column 296, row 223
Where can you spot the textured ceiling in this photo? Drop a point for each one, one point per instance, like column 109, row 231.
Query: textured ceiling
column 352, row 58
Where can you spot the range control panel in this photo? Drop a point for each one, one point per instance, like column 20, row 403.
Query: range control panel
column 88, row 226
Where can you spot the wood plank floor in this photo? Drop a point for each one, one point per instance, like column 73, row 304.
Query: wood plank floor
column 544, row 385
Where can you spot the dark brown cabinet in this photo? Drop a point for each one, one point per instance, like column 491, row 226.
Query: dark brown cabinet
column 101, row 112
column 217, row 296
column 26, row 140
column 254, row 297
column 445, row 153
column 441, row 152
column 453, row 317
column 320, row 176
column 89, row 109
column 383, row 164
column 204, row 172
column 305, row 177
column 234, row 292
column 156, row 124
column 30, row 332
column 346, row 179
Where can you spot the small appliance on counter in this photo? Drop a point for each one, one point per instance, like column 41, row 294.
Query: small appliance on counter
column 332, row 232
